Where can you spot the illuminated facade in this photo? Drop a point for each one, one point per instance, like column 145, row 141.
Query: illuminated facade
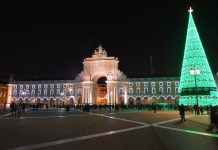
column 3, row 95
column 117, row 89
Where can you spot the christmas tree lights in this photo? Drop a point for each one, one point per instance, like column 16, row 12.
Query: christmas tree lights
column 197, row 83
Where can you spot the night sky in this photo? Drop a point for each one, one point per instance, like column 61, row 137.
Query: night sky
column 49, row 40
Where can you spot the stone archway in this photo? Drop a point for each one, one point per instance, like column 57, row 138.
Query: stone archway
column 146, row 100
column 100, row 91
column 100, row 65
column 79, row 101
column 121, row 100
column 52, row 102
column 71, row 101
column 131, row 101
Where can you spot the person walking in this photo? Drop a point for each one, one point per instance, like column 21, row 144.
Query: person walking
column 216, row 117
column 182, row 112
column 212, row 125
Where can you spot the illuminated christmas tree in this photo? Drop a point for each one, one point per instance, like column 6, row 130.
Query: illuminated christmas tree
column 197, row 85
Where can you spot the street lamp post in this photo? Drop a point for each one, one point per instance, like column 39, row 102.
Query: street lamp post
column 195, row 73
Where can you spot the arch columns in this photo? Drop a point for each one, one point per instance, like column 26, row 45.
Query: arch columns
column 9, row 96
column 112, row 92
column 87, row 92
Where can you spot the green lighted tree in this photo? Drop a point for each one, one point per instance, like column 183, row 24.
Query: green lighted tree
column 197, row 83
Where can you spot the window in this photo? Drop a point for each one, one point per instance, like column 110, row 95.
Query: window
column 45, row 86
column 79, row 92
column 71, row 85
column 15, row 93
column 145, row 83
column 120, row 91
column 21, row 93
column 33, row 86
column 39, row 92
column 27, row 86
column 58, row 85
column 52, row 86
column 168, row 83
column 160, row 83
column 65, row 92
column 64, row 85
column 161, row 90
column 130, row 84
column 45, row 92
column 137, row 91
column 130, row 91
column 15, row 86
column 168, row 90
column 21, row 86
column 58, row 92
column 137, row 83
column 145, row 91
column 33, row 92
column 153, row 90
column 176, row 90
column 152, row 83
column 27, row 93
column 51, row 92
column 71, row 91
column 177, row 83
column 39, row 86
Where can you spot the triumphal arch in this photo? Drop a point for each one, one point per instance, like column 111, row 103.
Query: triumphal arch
column 98, row 66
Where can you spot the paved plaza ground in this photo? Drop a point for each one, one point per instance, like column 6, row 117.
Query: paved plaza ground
column 57, row 129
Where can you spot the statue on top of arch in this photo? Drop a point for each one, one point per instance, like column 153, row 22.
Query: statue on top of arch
column 99, row 52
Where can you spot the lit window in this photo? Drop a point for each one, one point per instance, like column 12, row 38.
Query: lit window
column 27, row 92
column 120, row 91
column 52, row 86
column 137, row 83
column 130, row 84
column 39, row 86
column 161, row 90
column 45, row 92
column 33, row 92
column 33, row 86
column 176, row 90
column 58, row 92
column 168, row 83
column 21, row 93
column 137, row 91
column 79, row 92
column 39, row 92
column 15, row 86
column 21, row 86
column 64, row 85
column 146, row 91
column 71, row 85
column 15, row 93
column 168, row 90
column 51, row 92
column 152, row 83
column 58, row 85
column 153, row 90
column 130, row 91
column 177, row 83
column 27, row 86
column 45, row 86
column 160, row 83
column 145, row 83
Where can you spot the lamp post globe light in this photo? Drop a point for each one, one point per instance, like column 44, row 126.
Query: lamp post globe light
column 195, row 73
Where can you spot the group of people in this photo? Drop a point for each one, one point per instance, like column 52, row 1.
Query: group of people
column 212, row 110
column 17, row 109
